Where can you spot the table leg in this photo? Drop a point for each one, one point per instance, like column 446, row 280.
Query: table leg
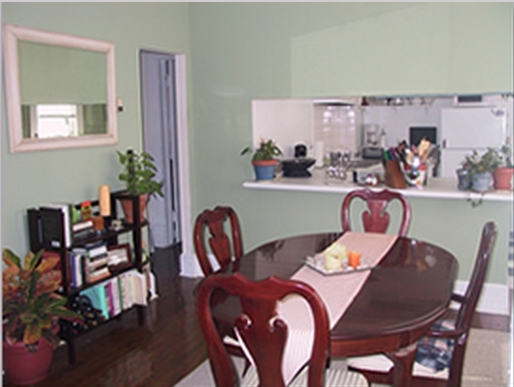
column 403, row 361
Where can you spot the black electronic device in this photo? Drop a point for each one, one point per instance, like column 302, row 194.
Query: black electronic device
column 418, row 133
column 297, row 167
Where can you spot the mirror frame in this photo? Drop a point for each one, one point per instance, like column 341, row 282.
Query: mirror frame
column 11, row 35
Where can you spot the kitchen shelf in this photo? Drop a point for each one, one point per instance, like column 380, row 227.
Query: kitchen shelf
column 437, row 188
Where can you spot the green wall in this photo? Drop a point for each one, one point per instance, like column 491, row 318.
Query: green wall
column 242, row 51
column 261, row 50
column 72, row 175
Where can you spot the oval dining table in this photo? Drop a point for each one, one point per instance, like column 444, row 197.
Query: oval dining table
column 402, row 297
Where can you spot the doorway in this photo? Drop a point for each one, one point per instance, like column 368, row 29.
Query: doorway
column 160, row 140
column 165, row 137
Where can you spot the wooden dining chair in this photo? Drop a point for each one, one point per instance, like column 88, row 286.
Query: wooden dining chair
column 225, row 249
column 441, row 353
column 264, row 334
column 375, row 218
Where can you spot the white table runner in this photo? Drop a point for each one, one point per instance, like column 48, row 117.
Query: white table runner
column 337, row 293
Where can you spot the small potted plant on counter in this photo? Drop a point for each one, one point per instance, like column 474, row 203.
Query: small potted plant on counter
column 31, row 312
column 264, row 160
column 502, row 175
column 480, row 169
column 138, row 174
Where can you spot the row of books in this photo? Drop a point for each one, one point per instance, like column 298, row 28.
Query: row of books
column 88, row 264
column 119, row 293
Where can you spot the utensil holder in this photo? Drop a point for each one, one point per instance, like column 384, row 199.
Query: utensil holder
column 393, row 175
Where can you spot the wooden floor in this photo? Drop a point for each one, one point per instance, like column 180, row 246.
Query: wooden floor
column 169, row 346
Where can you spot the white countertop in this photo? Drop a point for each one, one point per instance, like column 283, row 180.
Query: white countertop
column 441, row 188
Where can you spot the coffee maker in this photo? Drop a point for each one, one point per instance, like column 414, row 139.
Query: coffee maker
column 373, row 141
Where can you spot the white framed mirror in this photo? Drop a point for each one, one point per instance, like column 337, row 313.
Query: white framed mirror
column 60, row 90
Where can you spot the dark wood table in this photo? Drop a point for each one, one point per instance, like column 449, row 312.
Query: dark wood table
column 402, row 297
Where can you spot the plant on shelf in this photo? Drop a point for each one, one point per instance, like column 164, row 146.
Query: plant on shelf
column 264, row 159
column 479, row 170
column 31, row 312
column 502, row 175
column 138, row 174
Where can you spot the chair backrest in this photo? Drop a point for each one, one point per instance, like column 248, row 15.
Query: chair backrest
column 468, row 303
column 225, row 252
column 263, row 333
column 375, row 218
column 470, row 299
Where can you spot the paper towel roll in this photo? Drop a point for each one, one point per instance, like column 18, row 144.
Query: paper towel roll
column 318, row 153
column 104, row 198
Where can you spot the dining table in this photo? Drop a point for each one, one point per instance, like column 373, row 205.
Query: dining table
column 395, row 301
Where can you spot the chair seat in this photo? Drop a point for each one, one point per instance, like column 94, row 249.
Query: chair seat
column 380, row 363
column 333, row 377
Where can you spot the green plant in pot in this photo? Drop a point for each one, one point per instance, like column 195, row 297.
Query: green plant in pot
column 504, row 171
column 31, row 312
column 138, row 174
column 264, row 159
column 480, row 168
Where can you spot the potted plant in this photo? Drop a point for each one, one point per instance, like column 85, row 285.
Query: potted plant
column 502, row 175
column 138, row 174
column 480, row 169
column 264, row 159
column 31, row 312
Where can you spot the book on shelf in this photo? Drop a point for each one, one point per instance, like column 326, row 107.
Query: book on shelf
column 139, row 288
column 83, row 229
column 51, row 225
column 76, row 262
column 98, row 297
column 97, row 274
column 119, row 293
column 125, row 280
column 96, row 250
column 82, row 225
column 113, row 297
column 83, row 233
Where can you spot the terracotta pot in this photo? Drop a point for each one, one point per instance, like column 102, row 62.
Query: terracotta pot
column 23, row 367
column 503, row 178
column 126, row 204
column 264, row 169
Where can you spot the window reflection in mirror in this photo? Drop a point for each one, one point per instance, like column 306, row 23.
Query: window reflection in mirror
column 63, row 120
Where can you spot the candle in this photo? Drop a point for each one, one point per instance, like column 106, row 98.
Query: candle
column 332, row 262
column 104, row 197
column 354, row 259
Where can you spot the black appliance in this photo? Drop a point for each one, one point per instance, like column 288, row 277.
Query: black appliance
column 298, row 167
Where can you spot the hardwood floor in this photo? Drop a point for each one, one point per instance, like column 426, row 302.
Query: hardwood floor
column 166, row 349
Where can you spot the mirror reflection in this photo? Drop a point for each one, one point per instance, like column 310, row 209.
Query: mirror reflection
column 63, row 91
column 60, row 90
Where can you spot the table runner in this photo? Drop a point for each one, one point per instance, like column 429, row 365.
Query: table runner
column 337, row 293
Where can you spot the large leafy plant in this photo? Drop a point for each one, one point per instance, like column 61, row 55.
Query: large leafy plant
column 31, row 305
column 138, row 173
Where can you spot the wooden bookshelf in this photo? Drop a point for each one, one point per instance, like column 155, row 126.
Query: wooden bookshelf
column 48, row 231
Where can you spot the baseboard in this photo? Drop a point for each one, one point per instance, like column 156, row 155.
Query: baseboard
column 494, row 298
column 189, row 266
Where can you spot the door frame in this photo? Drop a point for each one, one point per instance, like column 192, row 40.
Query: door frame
column 187, row 257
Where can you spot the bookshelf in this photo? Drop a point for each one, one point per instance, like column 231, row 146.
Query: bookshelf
column 122, row 286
